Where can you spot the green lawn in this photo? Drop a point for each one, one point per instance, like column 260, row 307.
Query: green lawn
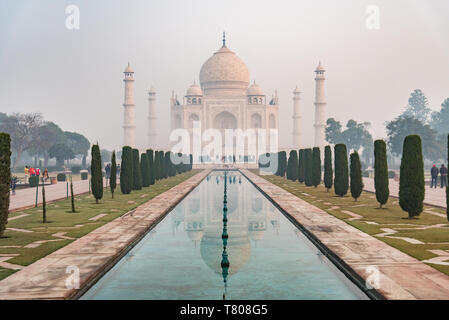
column 73, row 225
column 424, row 229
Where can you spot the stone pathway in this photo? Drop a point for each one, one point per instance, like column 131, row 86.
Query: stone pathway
column 434, row 197
column 46, row 278
column 400, row 276
column 25, row 198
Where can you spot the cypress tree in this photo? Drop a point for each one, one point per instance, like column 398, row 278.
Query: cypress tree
column 328, row 174
column 292, row 166
column 44, row 205
column 172, row 167
column 137, row 174
column 316, row 167
column 447, row 188
column 96, row 173
column 113, row 178
column 145, row 169
column 283, row 164
column 191, row 162
column 126, row 170
column 356, row 176
column 301, row 166
column 308, row 160
column 167, row 163
column 156, row 165
column 381, row 172
column 411, row 179
column 341, row 183
column 72, row 196
column 5, row 179
column 150, row 155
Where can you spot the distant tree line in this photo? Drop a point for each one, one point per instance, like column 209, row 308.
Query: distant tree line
column 32, row 135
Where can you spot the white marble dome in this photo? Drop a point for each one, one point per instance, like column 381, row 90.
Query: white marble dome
column 194, row 90
column 224, row 72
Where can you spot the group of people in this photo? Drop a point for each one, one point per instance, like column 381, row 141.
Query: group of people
column 32, row 172
column 434, row 172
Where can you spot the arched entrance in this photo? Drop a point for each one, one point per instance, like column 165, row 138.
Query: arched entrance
column 222, row 121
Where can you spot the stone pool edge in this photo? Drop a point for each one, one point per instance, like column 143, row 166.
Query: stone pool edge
column 91, row 256
column 400, row 277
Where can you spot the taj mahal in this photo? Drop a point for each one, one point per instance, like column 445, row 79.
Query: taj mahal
column 226, row 99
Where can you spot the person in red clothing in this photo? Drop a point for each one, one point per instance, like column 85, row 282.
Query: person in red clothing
column 32, row 172
column 38, row 172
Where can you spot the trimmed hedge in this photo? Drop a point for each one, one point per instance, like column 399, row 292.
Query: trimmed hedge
column 292, row 166
column 308, row 164
column 328, row 172
column 5, row 179
column 113, row 177
column 356, row 176
column 341, row 181
column 137, row 174
column 97, row 174
column 411, row 183
column 60, row 177
column 301, row 166
column 126, row 170
column 145, row 169
column 316, row 167
column 381, row 173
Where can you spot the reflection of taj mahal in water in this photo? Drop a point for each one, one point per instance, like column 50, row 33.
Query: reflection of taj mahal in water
column 249, row 217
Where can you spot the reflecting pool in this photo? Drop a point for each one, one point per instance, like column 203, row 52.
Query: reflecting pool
column 207, row 249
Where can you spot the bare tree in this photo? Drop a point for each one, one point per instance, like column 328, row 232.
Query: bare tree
column 23, row 129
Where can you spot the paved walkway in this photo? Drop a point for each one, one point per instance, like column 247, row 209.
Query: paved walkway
column 54, row 276
column 434, row 197
column 393, row 273
column 25, row 198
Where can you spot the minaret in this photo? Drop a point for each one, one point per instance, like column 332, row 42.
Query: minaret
column 129, row 126
column 296, row 119
column 320, row 108
column 152, row 126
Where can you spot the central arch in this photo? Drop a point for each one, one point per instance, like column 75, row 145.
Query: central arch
column 225, row 120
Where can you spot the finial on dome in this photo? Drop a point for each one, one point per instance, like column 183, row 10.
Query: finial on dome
column 224, row 39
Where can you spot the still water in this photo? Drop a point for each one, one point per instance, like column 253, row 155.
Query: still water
column 254, row 253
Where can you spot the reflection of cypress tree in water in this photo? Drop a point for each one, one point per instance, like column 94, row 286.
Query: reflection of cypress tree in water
column 225, row 261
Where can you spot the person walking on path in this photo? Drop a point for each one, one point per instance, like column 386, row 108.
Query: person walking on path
column 434, row 173
column 13, row 185
column 26, row 171
column 443, row 173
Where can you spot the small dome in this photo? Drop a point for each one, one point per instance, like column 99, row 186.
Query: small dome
column 152, row 90
column 128, row 69
column 194, row 90
column 254, row 90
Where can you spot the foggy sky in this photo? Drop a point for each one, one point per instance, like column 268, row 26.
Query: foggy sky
column 75, row 77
